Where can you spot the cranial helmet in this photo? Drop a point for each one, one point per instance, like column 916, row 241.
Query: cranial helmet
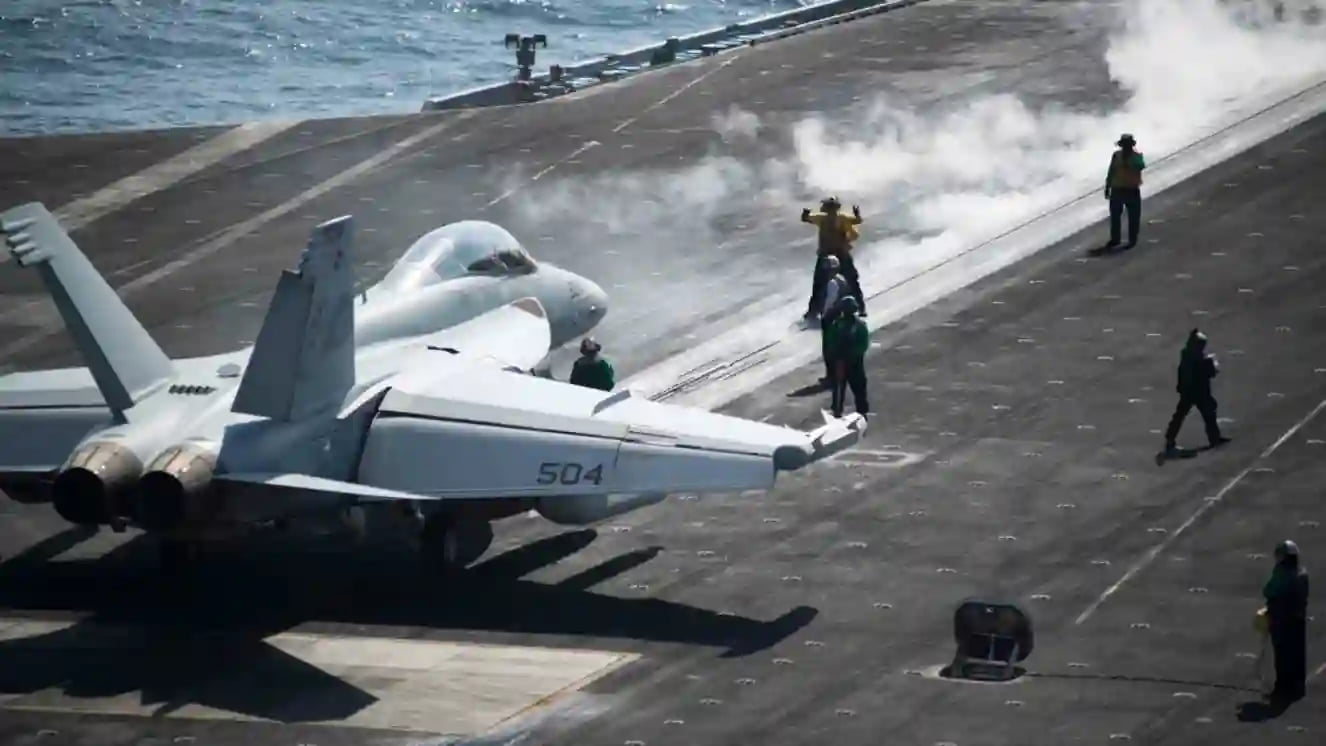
column 1286, row 548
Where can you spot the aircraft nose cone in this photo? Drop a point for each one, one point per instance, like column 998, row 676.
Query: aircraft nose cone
column 594, row 301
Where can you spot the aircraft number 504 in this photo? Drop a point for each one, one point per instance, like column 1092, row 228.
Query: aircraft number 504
column 555, row 472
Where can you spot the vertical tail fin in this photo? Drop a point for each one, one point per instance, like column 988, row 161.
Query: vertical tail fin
column 124, row 360
column 304, row 360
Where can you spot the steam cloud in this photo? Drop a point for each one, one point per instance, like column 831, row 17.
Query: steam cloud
column 941, row 178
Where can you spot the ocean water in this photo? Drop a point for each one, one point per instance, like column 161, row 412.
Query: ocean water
column 102, row 65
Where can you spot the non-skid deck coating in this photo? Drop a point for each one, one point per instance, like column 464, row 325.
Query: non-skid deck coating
column 362, row 682
column 1011, row 455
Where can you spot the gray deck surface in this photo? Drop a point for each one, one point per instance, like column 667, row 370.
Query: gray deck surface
column 814, row 614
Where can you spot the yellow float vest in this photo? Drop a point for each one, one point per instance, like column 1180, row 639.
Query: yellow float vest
column 1126, row 173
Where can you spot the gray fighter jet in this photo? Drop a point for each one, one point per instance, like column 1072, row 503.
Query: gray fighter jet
column 408, row 408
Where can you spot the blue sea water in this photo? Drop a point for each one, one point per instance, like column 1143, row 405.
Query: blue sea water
column 101, row 65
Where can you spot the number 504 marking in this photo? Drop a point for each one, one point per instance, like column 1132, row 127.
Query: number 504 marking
column 556, row 472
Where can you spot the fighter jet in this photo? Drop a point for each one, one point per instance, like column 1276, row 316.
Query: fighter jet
column 408, row 407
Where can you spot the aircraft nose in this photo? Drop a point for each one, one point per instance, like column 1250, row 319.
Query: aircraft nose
column 593, row 300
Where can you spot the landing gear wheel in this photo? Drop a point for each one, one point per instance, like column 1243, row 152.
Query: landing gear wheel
column 451, row 545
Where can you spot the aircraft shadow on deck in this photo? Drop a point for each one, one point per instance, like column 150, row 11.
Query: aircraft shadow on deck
column 200, row 638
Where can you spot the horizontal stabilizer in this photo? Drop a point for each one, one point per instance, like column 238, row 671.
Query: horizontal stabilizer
column 303, row 362
column 122, row 357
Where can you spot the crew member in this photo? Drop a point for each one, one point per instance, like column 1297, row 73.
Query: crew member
column 848, row 341
column 835, row 290
column 1286, row 595
column 1123, row 188
column 1196, row 369
column 836, row 234
column 590, row 370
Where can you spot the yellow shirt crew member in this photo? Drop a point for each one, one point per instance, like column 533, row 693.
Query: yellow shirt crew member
column 836, row 234
column 1123, row 188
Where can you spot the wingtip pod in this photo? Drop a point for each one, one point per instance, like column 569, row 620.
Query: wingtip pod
column 834, row 436
column 15, row 222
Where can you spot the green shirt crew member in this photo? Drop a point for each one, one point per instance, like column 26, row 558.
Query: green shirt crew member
column 847, row 343
column 1286, row 594
column 590, row 370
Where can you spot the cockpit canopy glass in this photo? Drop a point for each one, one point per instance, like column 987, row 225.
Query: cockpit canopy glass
column 470, row 247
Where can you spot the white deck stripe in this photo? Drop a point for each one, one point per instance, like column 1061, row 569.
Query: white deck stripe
column 593, row 143
column 154, row 178
column 733, row 57
column 1207, row 504
column 544, row 172
column 230, row 235
column 80, row 212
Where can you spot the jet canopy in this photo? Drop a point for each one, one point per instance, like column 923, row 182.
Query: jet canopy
column 469, row 247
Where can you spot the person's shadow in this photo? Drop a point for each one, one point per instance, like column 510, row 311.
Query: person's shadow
column 1258, row 711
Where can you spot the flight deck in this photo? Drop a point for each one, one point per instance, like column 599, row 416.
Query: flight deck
column 1010, row 455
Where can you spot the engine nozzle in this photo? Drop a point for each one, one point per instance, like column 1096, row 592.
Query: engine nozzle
column 171, row 490
column 90, row 489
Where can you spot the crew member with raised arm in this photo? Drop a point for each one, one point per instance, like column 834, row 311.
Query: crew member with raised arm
column 836, row 234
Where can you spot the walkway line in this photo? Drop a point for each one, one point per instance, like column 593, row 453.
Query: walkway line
column 546, row 169
column 1207, row 504
column 690, row 84
column 623, row 125
column 154, row 178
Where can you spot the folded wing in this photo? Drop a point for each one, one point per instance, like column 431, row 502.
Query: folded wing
column 467, row 431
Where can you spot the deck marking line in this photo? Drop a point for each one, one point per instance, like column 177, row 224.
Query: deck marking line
column 1206, row 505
column 156, row 177
column 593, row 143
column 546, row 169
column 690, row 84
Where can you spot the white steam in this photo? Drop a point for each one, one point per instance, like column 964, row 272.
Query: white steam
column 736, row 124
column 932, row 182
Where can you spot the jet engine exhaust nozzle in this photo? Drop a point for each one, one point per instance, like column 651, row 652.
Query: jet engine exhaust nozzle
column 169, row 492
column 91, row 487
